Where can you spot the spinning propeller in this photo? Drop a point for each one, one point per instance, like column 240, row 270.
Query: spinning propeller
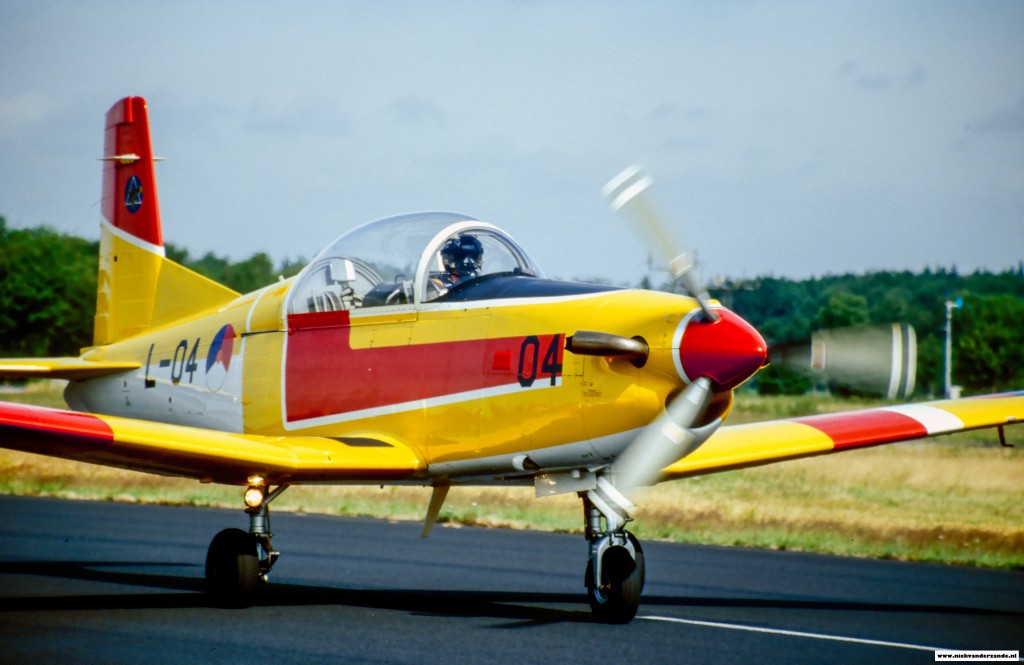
column 717, row 350
column 625, row 194
column 877, row 359
column 671, row 437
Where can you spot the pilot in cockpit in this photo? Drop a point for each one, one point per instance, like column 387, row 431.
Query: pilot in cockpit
column 463, row 258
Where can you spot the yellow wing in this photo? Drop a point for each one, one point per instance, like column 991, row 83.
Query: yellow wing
column 739, row 446
column 207, row 455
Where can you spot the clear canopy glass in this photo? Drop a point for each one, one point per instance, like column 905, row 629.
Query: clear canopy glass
column 396, row 261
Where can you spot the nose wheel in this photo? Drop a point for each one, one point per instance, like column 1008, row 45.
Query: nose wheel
column 615, row 569
column 237, row 562
column 616, row 596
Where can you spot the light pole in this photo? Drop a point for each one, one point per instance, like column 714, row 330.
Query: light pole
column 950, row 306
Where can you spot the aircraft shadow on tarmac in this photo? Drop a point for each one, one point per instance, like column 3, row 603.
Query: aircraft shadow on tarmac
column 497, row 604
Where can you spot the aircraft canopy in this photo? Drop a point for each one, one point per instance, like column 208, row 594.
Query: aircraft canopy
column 397, row 261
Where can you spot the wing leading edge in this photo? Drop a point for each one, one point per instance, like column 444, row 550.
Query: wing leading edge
column 755, row 444
column 207, row 455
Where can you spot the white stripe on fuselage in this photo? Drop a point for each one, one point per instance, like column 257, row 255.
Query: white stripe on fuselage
column 413, row 405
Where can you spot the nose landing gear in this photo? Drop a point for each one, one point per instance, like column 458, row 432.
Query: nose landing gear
column 615, row 570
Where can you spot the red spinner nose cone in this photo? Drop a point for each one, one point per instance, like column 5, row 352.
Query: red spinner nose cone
column 728, row 351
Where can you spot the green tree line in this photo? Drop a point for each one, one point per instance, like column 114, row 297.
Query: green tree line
column 48, row 300
column 48, row 297
column 988, row 330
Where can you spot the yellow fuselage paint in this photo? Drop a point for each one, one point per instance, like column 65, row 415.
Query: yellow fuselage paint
column 594, row 398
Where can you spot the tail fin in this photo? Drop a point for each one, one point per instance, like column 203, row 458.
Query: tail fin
column 138, row 287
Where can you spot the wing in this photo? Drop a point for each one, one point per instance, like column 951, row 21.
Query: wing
column 60, row 368
column 206, row 455
column 739, row 446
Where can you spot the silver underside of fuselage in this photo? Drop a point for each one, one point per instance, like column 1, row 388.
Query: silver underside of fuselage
column 522, row 467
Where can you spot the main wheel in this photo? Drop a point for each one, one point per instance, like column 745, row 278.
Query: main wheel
column 622, row 581
column 232, row 568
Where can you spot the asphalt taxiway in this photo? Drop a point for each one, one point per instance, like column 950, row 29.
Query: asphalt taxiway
column 107, row 582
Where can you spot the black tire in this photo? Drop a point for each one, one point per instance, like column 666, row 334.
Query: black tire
column 623, row 579
column 232, row 568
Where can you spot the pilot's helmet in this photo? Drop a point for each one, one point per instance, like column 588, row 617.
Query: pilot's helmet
column 463, row 255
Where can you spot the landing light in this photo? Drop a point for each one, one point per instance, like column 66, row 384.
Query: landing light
column 254, row 497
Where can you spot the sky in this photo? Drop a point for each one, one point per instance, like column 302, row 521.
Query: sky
column 792, row 139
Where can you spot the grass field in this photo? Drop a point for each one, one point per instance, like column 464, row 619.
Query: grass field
column 954, row 499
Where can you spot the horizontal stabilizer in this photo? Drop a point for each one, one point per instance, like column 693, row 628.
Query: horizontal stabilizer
column 60, row 368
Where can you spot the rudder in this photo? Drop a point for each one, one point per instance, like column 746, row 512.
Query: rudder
column 129, row 180
column 135, row 279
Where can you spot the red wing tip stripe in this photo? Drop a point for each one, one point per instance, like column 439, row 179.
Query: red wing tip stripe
column 866, row 428
column 53, row 421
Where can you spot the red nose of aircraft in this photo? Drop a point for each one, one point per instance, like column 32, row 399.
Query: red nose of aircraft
column 728, row 351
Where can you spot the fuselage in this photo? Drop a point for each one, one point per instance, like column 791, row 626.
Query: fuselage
column 473, row 385
column 480, row 377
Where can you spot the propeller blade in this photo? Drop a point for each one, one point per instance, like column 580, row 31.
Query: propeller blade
column 879, row 359
column 670, row 437
column 625, row 193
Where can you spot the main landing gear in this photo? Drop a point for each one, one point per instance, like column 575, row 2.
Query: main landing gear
column 615, row 570
column 238, row 562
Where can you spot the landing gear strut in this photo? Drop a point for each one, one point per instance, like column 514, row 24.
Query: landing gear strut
column 238, row 562
column 615, row 570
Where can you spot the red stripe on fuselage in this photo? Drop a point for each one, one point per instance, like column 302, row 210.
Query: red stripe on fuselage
column 866, row 428
column 325, row 376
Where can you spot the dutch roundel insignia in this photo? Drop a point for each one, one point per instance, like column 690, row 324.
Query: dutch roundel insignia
column 133, row 194
column 218, row 360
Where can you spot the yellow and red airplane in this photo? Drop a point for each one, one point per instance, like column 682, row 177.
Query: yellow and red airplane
column 423, row 349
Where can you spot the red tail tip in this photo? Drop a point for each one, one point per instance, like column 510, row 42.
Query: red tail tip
column 129, row 181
